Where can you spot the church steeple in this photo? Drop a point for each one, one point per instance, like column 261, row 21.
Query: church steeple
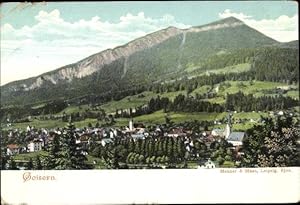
column 131, row 124
column 228, row 126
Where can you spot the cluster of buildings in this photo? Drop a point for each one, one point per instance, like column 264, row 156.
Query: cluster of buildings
column 39, row 139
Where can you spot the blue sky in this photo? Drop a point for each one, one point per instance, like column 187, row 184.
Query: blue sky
column 36, row 38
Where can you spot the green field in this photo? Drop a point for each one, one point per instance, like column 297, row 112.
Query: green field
column 293, row 94
column 201, row 90
column 52, row 124
column 256, row 88
column 159, row 117
column 228, row 69
column 27, row 156
column 38, row 106
column 232, row 69
column 143, row 98
column 149, row 119
column 40, row 124
column 136, row 100
column 73, row 109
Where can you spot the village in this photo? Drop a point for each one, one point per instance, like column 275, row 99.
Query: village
column 199, row 147
column 218, row 147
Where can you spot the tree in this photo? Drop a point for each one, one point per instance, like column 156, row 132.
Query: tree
column 148, row 161
column 3, row 159
column 30, row 164
column 152, row 159
column 141, row 159
column 228, row 158
column 167, row 159
column 168, row 119
column 280, row 149
column 129, row 159
column 37, row 164
column 131, row 145
column 12, row 164
column 96, row 152
column 53, row 150
column 112, row 159
column 273, row 144
column 70, row 156
column 220, row 160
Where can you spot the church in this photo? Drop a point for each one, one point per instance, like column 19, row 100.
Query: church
column 235, row 138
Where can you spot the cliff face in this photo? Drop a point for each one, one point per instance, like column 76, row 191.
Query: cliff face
column 96, row 62
column 153, row 58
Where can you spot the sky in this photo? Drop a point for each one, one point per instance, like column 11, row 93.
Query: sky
column 40, row 37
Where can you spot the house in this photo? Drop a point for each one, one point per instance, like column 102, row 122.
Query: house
column 12, row 149
column 28, row 128
column 106, row 141
column 35, row 145
column 83, row 139
column 280, row 112
column 236, row 138
column 208, row 165
column 138, row 136
column 285, row 88
column 217, row 132
column 113, row 133
column 176, row 132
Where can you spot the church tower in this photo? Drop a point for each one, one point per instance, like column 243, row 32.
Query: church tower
column 131, row 124
column 228, row 126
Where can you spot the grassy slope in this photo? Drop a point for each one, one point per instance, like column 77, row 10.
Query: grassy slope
column 40, row 124
column 159, row 117
column 150, row 119
column 52, row 124
column 293, row 94
column 228, row 69
column 135, row 100
column 256, row 89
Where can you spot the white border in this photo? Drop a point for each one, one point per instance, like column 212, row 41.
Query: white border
column 246, row 185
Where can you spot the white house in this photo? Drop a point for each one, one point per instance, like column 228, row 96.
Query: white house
column 208, row 165
column 280, row 113
column 12, row 149
column 35, row 145
column 111, row 134
column 106, row 141
column 28, row 128
column 138, row 136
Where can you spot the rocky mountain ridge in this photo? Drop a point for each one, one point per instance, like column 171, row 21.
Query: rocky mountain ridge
column 96, row 62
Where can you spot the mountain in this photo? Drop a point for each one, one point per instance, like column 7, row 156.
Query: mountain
column 153, row 58
column 291, row 44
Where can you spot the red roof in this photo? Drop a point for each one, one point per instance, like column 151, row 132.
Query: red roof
column 12, row 146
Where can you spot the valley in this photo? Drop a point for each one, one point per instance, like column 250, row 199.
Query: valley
column 256, row 88
column 175, row 98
